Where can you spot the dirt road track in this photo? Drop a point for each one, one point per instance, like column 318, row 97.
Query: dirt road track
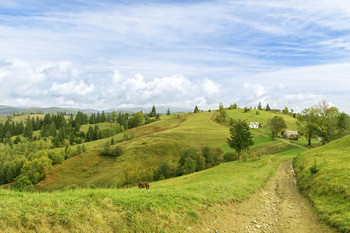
column 279, row 207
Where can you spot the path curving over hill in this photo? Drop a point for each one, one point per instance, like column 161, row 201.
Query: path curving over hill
column 279, row 207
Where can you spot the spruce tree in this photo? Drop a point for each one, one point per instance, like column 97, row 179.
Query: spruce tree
column 196, row 109
column 153, row 112
column 28, row 130
column 103, row 116
column 268, row 107
column 240, row 137
column 168, row 112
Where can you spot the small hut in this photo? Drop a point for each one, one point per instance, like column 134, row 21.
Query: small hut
column 292, row 135
column 254, row 125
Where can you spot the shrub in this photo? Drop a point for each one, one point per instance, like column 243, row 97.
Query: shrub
column 23, row 183
column 230, row 156
column 117, row 151
column 37, row 169
column 162, row 172
column 106, row 149
column 314, row 168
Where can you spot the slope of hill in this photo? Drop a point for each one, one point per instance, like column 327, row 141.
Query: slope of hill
column 262, row 117
column 153, row 144
column 168, row 206
column 324, row 176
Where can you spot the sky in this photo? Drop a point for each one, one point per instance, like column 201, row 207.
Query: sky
column 119, row 54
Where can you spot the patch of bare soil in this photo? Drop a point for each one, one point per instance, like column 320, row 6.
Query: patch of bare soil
column 279, row 207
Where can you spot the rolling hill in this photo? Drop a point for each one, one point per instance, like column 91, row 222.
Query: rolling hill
column 153, row 144
column 324, row 176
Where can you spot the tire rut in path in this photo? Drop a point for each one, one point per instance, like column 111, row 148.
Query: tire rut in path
column 279, row 207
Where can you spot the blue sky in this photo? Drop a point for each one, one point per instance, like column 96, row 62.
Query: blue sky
column 113, row 54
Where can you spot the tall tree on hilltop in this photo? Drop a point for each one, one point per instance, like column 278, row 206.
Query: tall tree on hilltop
column 268, row 107
column 153, row 112
column 259, row 106
column 103, row 116
column 240, row 137
column 196, row 109
column 168, row 112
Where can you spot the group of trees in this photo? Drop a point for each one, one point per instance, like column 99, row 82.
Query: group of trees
column 191, row 160
column 323, row 121
column 27, row 162
column 222, row 114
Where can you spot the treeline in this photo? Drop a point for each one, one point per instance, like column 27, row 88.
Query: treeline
column 193, row 160
column 324, row 122
column 26, row 163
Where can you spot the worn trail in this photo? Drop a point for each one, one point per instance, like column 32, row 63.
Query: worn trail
column 279, row 207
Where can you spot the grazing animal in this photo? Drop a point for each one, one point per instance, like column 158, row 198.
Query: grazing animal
column 143, row 185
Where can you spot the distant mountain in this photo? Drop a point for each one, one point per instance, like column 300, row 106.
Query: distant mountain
column 9, row 110
column 159, row 109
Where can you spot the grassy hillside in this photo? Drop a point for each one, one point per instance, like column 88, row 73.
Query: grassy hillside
column 23, row 118
column 262, row 117
column 261, row 136
column 169, row 205
column 154, row 143
column 328, row 186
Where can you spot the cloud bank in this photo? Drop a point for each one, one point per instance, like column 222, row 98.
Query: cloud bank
column 109, row 54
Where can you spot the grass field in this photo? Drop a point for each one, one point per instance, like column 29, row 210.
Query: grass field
column 23, row 118
column 262, row 117
column 329, row 187
column 169, row 205
column 155, row 143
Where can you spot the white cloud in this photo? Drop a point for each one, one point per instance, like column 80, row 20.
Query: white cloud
column 71, row 88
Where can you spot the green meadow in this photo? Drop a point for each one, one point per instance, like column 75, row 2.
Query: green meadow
column 90, row 192
column 324, row 176
column 150, row 145
column 168, row 206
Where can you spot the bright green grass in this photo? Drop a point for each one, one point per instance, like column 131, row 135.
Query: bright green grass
column 23, row 118
column 168, row 206
column 101, row 126
column 262, row 117
column 329, row 188
column 155, row 143
column 302, row 141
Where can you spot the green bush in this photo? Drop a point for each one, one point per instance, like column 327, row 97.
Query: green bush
column 117, row 151
column 230, row 156
column 314, row 168
column 162, row 172
column 23, row 183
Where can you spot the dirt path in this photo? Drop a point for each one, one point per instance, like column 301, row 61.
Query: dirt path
column 279, row 207
column 304, row 147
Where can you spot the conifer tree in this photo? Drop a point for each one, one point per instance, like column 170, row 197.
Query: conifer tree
column 240, row 137
column 153, row 112
column 196, row 109
column 268, row 107
column 103, row 116
column 28, row 130
column 168, row 112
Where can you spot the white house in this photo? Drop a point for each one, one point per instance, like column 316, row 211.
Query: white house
column 293, row 135
column 254, row 125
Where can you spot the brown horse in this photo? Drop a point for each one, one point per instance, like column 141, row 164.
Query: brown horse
column 143, row 185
